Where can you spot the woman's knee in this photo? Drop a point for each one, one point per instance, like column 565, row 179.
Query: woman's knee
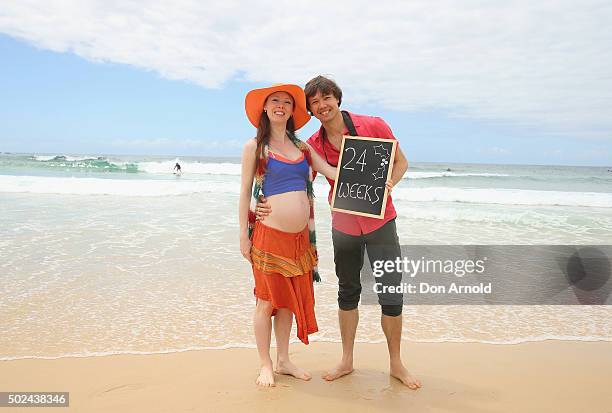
column 263, row 307
column 284, row 313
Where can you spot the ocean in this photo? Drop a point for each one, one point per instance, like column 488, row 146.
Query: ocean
column 106, row 254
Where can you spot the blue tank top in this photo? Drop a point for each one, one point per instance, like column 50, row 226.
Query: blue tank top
column 285, row 176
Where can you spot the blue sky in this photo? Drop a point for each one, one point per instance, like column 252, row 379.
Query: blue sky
column 81, row 92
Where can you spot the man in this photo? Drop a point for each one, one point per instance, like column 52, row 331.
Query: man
column 351, row 234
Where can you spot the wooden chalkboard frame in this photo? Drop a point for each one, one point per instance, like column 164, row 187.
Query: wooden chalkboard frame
column 389, row 172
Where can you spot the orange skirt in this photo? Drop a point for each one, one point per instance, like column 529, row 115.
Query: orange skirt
column 282, row 267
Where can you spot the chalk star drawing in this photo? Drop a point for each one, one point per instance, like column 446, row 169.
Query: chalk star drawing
column 378, row 150
column 384, row 161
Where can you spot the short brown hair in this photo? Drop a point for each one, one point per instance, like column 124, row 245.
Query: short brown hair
column 325, row 86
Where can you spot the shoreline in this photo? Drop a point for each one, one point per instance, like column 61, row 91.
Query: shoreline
column 459, row 377
column 295, row 341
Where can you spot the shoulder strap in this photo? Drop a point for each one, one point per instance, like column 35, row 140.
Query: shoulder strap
column 349, row 123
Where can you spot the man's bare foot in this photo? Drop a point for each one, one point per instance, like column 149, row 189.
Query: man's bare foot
column 340, row 370
column 401, row 373
column 266, row 377
column 287, row 367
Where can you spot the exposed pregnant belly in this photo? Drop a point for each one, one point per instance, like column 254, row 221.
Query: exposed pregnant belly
column 290, row 211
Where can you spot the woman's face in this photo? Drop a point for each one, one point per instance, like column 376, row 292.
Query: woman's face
column 279, row 107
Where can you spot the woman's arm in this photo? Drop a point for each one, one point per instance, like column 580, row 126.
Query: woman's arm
column 246, row 188
column 320, row 165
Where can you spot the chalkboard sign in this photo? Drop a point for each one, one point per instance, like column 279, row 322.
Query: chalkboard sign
column 364, row 166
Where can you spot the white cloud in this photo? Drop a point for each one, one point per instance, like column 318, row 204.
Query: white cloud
column 534, row 63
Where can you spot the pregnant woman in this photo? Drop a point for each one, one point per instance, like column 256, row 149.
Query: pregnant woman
column 281, row 251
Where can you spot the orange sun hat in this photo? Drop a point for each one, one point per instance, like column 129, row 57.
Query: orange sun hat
column 255, row 99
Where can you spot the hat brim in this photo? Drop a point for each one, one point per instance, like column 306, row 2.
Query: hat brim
column 256, row 98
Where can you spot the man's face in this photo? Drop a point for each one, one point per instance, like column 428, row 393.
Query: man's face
column 323, row 107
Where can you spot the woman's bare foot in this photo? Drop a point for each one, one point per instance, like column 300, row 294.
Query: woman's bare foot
column 287, row 367
column 340, row 370
column 401, row 373
column 266, row 377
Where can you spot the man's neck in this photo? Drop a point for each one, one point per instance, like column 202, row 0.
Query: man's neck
column 334, row 128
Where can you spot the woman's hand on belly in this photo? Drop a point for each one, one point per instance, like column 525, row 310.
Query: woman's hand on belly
column 290, row 211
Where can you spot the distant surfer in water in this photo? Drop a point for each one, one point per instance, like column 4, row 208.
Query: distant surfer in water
column 177, row 169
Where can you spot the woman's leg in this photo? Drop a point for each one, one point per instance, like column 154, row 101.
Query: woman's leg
column 282, row 329
column 262, row 325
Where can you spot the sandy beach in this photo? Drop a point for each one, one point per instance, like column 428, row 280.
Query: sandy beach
column 548, row 376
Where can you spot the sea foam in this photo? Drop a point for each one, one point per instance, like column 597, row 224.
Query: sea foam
column 169, row 187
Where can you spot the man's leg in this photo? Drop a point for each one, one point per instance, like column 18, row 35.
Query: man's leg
column 383, row 244
column 348, row 256
column 392, row 326
column 348, row 326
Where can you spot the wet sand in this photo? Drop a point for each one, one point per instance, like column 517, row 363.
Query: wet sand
column 549, row 376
